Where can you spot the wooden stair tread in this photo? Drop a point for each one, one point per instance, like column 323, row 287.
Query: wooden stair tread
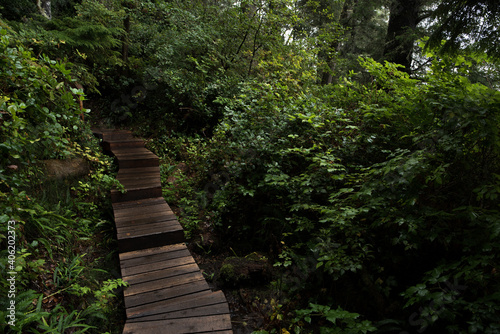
column 141, row 209
column 138, row 203
column 169, row 268
column 152, row 255
column 125, row 257
column 165, row 306
column 153, row 230
column 138, row 170
column 153, row 219
column 186, row 307
column 205, row 324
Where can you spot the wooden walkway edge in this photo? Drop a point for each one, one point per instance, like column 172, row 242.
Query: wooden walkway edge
column 167, row 292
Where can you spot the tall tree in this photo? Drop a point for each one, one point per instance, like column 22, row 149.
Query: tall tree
column 401, row 31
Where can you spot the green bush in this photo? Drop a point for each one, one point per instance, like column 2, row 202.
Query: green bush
column 57, row 288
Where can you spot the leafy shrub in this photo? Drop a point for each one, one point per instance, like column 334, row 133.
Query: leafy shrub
column 39, row 120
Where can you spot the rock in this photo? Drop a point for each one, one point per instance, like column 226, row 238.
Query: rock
column 254, row 269
column 63, row 169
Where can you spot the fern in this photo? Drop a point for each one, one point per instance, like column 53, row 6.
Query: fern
column 25, row 314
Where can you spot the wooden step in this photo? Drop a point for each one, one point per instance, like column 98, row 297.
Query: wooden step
column 122, row 144
column 134, row 161
column 138, row 240
column 139, row 170
column 217, row 324
column 136, row 193
column 194, row 305
column 148, row 224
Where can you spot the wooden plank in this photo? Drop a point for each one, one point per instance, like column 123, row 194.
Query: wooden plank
column 124, row 257
column 133, row 172
column 158, row 274
column 140, row 219
column 166, row 231
column 207, row 324
column 131, row 225
column 138, row 203
column 143, row 214
column 141, row 210
column 198, row 311
column 170, row 268
column 141, row 176
column 139, row 170
column 163, row 226
column 149, row 220
column 151, row 257
column 171, row 305
column 168, row 311
column 166, row 293
column 132, row 151
column 170, row 282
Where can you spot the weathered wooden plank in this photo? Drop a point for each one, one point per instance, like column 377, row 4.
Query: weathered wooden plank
column 141, row 210
column 153, row 217
column 138, row 203
column 140, row 176
column 168, row 311
column 166, row 293
column 207, row 324
column 142, row 225
column 170, row 282
column 141, row 213
column 154, row 274
column 166, row 231
column 160, row 206
column 129, row 151
column 167, row 219
column 197, row 311
column 125, row 257
column 170, row 305
column 150, row 257
column 159, row 270
column 138, row 170
column 166, row 235
column 163, row 226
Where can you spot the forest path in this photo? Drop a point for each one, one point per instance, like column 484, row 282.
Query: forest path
column 167, row 292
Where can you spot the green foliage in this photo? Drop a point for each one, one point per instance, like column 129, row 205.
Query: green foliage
column 40, row 120
column 384, row 181
column 340, row 320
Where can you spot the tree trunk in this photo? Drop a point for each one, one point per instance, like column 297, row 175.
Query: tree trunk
column 44, row 6
column 403, row 20
column 125, row 41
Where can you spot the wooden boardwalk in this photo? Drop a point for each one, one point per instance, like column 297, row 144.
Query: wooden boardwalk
column 167, row 293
